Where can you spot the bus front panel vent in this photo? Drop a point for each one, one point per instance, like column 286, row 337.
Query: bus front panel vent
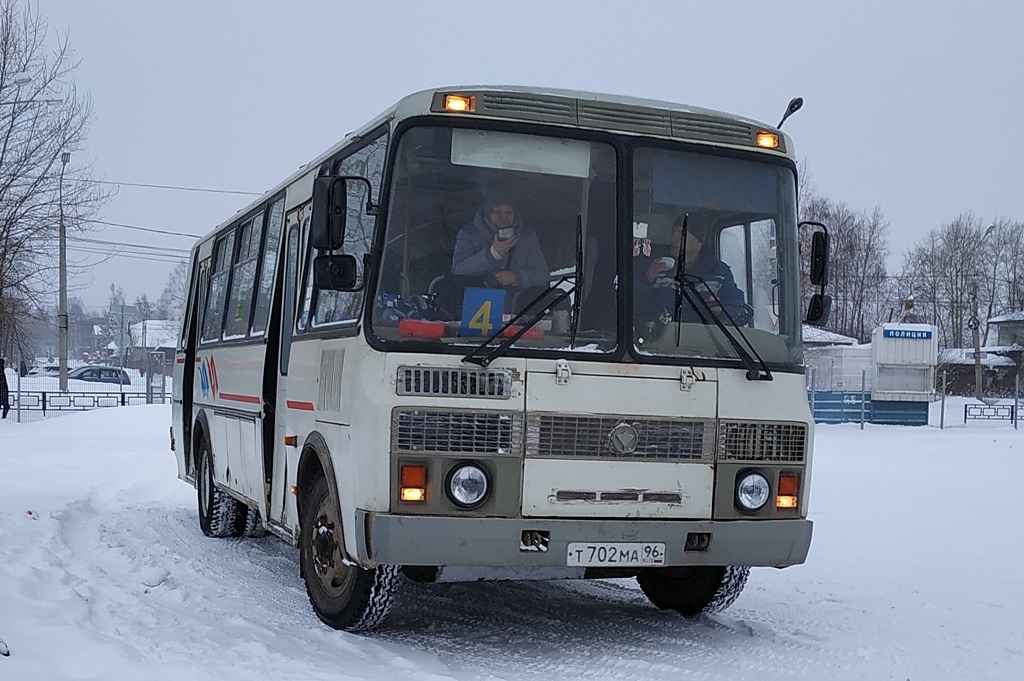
column 762, row 441
column 494, row 384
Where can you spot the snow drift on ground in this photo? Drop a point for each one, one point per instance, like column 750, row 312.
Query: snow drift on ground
column 914, row 573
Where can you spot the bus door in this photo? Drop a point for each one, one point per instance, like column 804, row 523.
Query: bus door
column 200, row 280
column 278, row 364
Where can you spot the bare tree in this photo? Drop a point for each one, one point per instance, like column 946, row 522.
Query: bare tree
column 943, row 270
column 42, row 117
column 172, row 301
column 858, row 281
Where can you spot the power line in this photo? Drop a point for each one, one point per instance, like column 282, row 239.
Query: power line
column 151, row 257
column 176, row 188
column 159, row 249
column 144, row 229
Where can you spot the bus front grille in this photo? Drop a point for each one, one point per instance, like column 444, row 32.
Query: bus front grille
column 457, row 432
column 624, row 438
column 448, row 382
column 762, row 441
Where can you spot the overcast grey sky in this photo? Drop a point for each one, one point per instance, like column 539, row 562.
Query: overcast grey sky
column 914, row 107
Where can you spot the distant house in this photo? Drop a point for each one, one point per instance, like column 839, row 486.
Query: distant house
column 158, row 335
column 1000, row 360
column 834, row 362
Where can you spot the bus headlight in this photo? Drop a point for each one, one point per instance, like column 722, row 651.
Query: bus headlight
column 752, row 492
column 466, row 485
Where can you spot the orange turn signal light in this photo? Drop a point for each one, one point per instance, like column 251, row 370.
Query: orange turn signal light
column 412, row 483
column 414, row 494
column 789, row 488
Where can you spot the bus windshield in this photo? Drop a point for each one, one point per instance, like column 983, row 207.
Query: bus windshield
column 482, row 222
column 733, row 223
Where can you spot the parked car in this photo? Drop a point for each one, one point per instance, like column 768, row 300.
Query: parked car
column 44, row 370
column 101, row 374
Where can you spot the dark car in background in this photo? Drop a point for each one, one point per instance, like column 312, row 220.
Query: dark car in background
column 101, row 374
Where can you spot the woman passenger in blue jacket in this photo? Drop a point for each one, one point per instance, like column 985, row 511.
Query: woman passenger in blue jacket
column 499, row 249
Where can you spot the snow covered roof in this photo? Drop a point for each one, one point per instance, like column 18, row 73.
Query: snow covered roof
column 1012, row 317
column 159, row 333
column 989, row 357
column 812, row 335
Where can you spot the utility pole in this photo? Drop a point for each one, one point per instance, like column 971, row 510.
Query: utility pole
column 973, row 323
column 62, row 315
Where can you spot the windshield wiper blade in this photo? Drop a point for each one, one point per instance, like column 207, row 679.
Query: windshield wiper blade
column 757, row 368
column 575, row 283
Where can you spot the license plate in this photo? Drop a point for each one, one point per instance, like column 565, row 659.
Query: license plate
column 616, row 554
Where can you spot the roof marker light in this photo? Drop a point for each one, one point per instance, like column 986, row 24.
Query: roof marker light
column 768, row 140
column 459, row 103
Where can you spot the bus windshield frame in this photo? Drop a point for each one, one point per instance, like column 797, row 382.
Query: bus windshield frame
column 437, row 287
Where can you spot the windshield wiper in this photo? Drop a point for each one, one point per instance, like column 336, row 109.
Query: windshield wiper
column 757, row 368
column 535, row 311
column 686, row 287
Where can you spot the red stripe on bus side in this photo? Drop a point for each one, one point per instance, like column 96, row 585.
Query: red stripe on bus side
column 249, row 399
column 302, row 406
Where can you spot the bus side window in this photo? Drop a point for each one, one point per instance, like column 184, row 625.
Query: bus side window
column 243, row 278
column 271, row 245
column 213, row 312
column 333, row 307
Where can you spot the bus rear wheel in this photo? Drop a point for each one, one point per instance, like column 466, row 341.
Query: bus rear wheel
column 343, row 595
column 695, row 589
column 218, row 510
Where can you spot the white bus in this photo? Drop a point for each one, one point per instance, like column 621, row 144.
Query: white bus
column 460, row 345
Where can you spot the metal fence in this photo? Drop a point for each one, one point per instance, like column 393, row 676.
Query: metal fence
column 35, row 393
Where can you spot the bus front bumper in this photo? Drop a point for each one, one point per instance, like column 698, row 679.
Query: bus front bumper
column 498, row 542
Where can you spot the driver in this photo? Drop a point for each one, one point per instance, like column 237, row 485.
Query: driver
column 654, row 279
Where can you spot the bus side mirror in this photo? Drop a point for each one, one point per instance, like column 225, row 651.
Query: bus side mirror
column 819, row 258
column 335, row 273
column 819, row 309
column 330, row 208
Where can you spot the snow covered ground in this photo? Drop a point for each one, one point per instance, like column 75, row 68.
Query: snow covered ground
column 914, row 573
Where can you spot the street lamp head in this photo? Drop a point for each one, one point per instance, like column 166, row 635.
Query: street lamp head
column 21, row 78
column 65, row 157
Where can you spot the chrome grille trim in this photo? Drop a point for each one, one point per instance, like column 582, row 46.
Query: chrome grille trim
column 529, row 107
column 602, row 115
column 576, row 436
column 762, row 441
column 493, row 384
column 706, row 127
column 456, row 431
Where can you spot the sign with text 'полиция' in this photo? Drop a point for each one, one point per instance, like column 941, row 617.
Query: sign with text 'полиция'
column 907, row 333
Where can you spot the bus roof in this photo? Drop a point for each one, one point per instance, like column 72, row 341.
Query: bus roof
column 572, row 108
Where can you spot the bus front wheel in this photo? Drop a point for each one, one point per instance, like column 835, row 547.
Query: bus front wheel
column 343, row 595
column 695, row 589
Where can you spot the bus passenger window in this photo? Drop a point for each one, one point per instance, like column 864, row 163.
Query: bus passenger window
column 213, row 314
column 243, row 277
column 334, row 307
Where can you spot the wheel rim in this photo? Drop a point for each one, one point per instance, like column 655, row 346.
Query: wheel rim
column 334, row 576
column 204, row 483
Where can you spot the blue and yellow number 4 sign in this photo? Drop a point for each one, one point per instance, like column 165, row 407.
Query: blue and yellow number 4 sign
column 481, row 311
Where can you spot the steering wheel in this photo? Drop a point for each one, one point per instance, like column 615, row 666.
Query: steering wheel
column 740, row 312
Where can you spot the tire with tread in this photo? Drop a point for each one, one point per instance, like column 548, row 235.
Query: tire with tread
column 252, row 523
column 218, row 510
column 343, row 595
column 694, row 590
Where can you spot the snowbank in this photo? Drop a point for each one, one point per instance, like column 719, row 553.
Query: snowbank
column 913, row 573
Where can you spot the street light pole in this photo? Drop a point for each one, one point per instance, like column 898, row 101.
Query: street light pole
column 974, row 323
column 62, row 316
